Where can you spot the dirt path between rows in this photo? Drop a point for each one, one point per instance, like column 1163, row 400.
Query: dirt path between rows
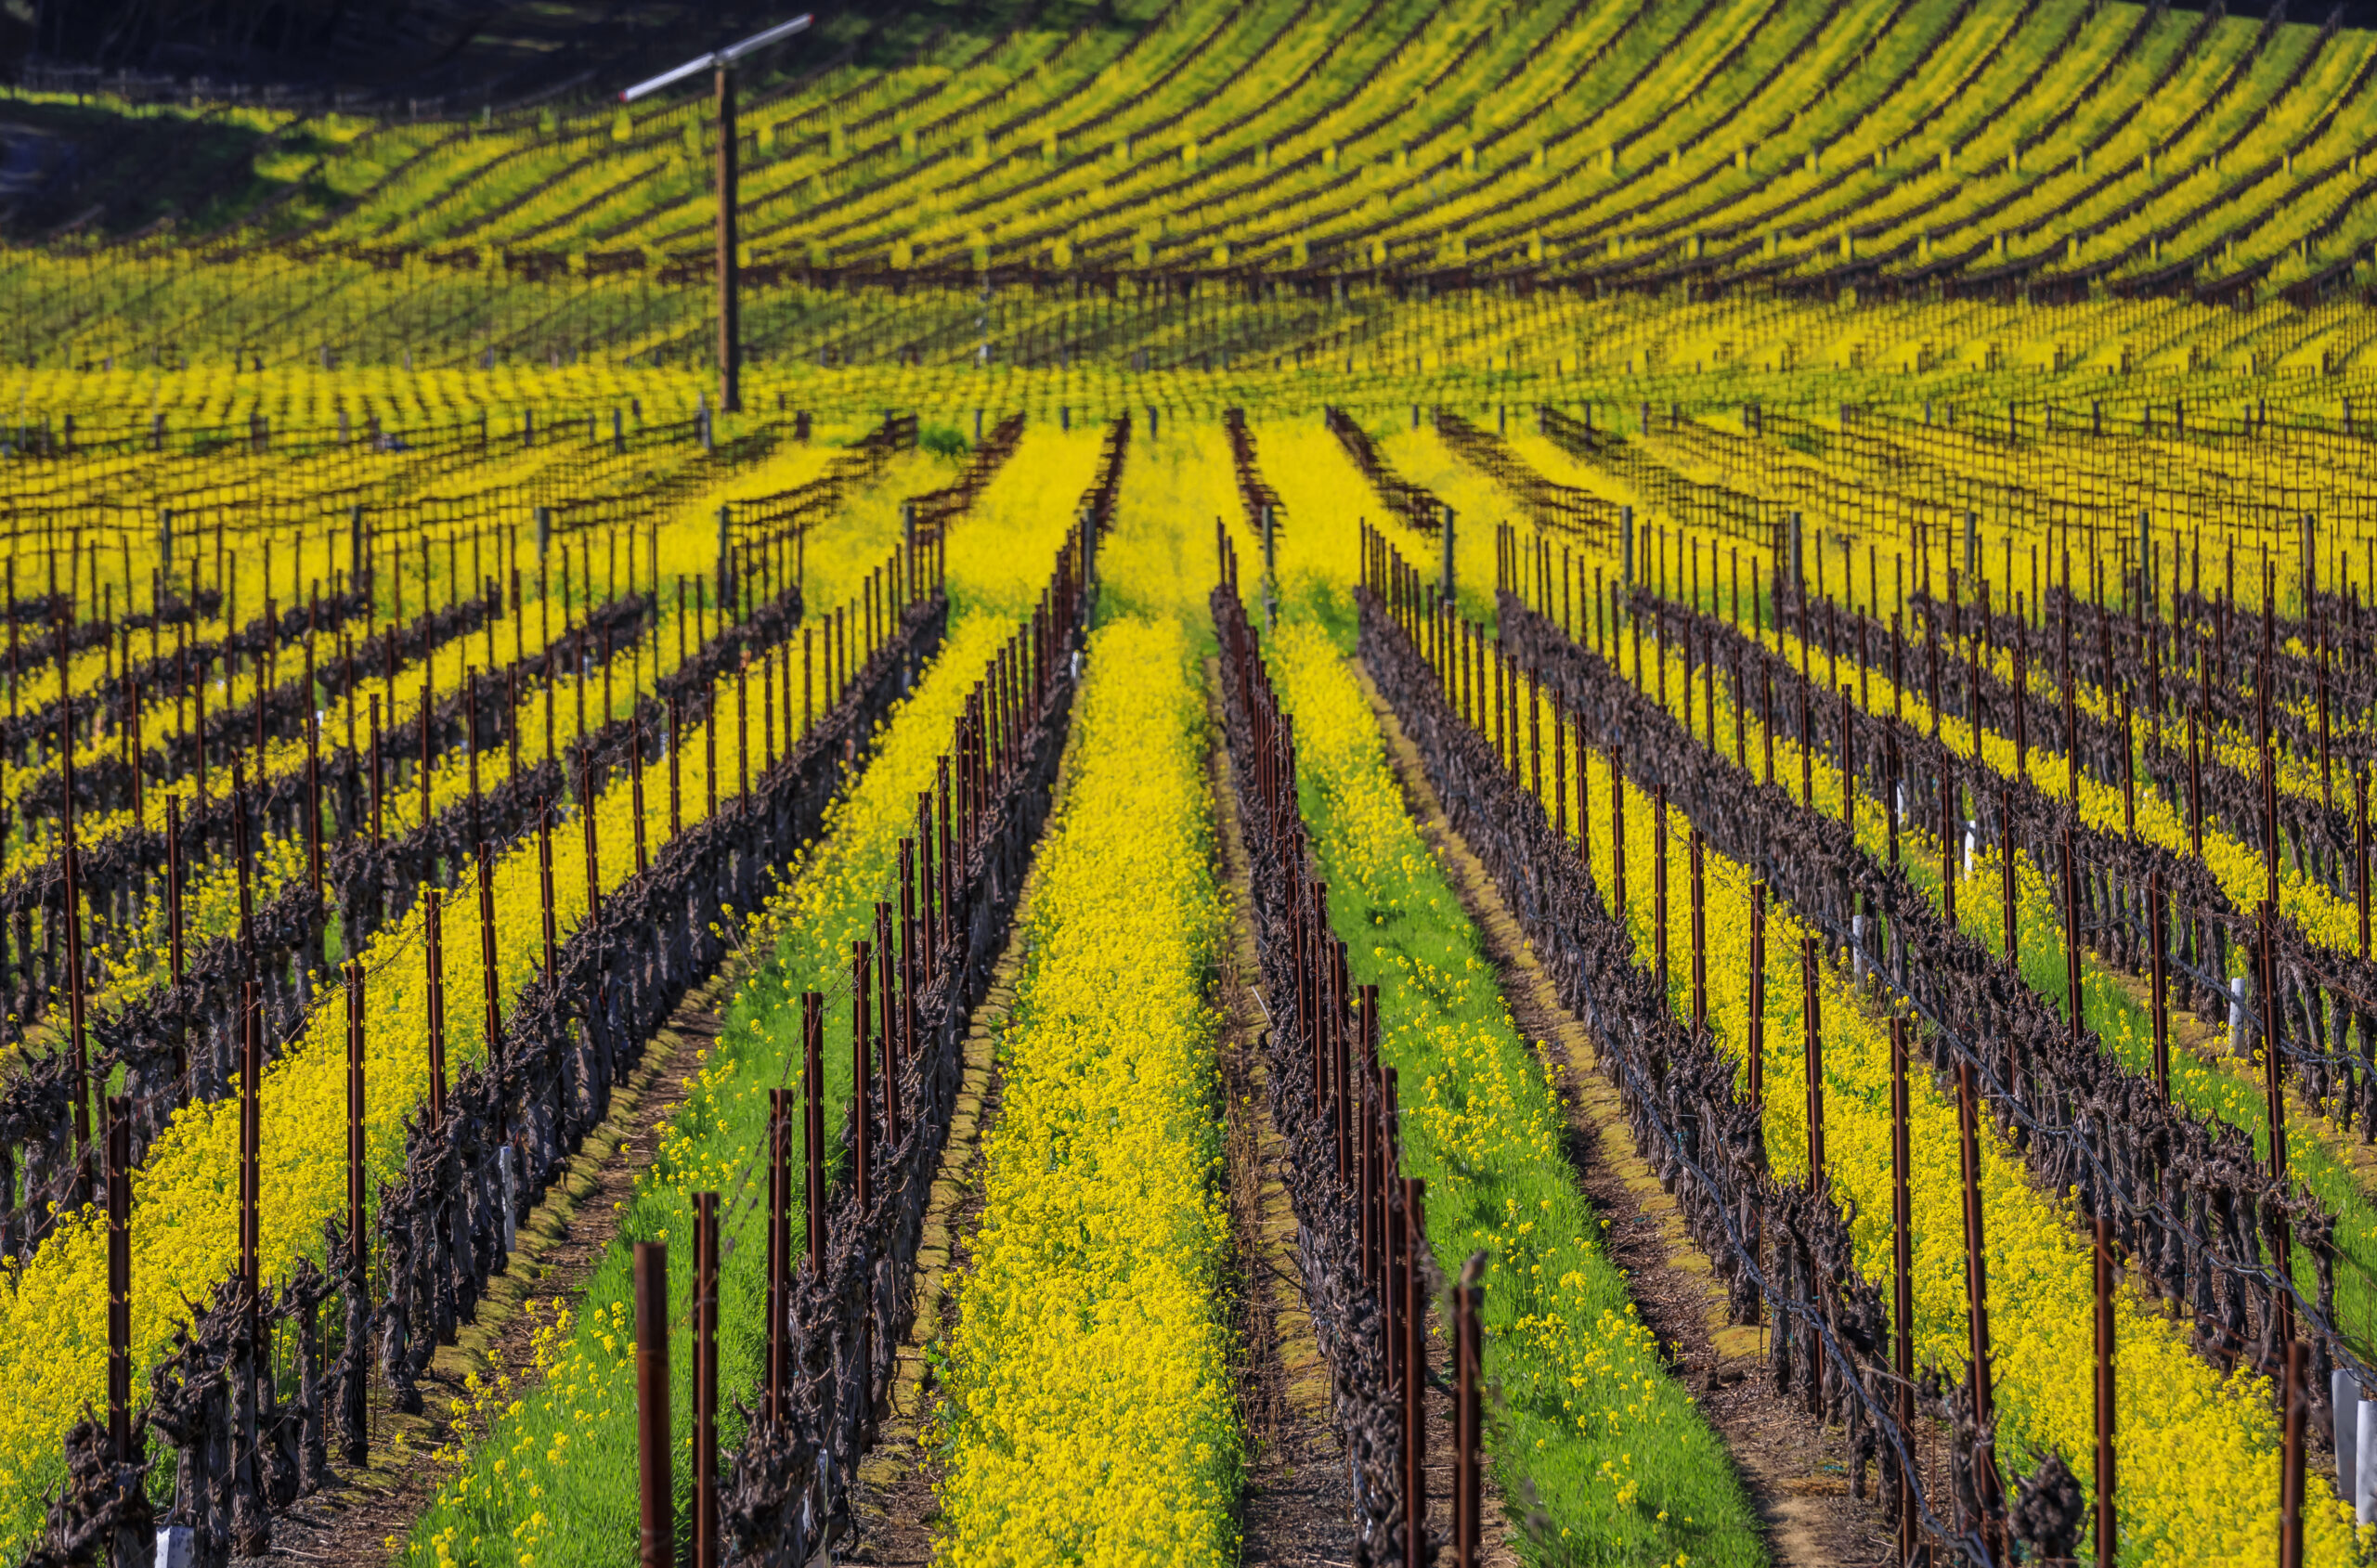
column 351, row 1522
column 1794, row 1471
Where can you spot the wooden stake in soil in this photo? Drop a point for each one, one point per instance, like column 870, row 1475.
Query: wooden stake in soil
column 655, row 1495
column 2006, row 892
column 119, row 1279
column 1699, row 935
column 2072, row 971
column 813, row 1040
column 2360, row 850
column 1754, row 1051
column 173, row 938
column 1976, row 1268
column 779, row 1254
column 1810, row 1010
column 250, row 1075
column 545, row 883
column 2158, row 921
column 886, row 1030
column 434, row 945
column 1468, row 1300
column 1659, row 887
column 2107, row 1533
column 2291, row 1460
column 705, row 1380
column 1902, row 1279
column 1948, row 837
column 862, row 1085
column 1415, row 1377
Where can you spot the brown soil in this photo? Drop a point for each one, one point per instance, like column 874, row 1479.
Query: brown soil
column 351, row 1522
column 898, row 1503
column 1792, row 1470
column 1297, row 1506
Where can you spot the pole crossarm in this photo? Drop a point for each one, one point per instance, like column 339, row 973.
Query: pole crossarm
column 716, row 58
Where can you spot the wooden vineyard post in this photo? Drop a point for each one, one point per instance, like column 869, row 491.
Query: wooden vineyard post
column 433, row 945
column 1584, row 801
column 251, row 1072
column 676, row 731
column 1699, row 935
column 1559, row 768
column 2273, row 1018
column 706, row 1379
column 887, row 1030
column 174, row 940
column 1976, row 1270
column 358, row 1260
column 1810, row 1010
column 1618, row 837
column 378, row 791
column 812, row 1038
column 1469, row 1300
column 655, row 1494
column 2158, row 922
column 490, row 981
column 1754, row 1051
column 72, row 859
column 1902, row 1280
column 1659, row 887
column 2008, row 891
column 2021, row 711
column 2195, row 782
column 861, row 1085
column 2107, row 1534
column 2291, row 1465
column 313, row 801
column 2360, row 850
column 585, row 823
column 545, row 885
column 1415, row 1377
column 909, row 954
column 119, row 1279
column 779, row 1293
column 2071, row 963
column 635, row 785
column 1947, row 837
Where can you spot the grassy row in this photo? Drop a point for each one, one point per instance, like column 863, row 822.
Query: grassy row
column 1627, row 1468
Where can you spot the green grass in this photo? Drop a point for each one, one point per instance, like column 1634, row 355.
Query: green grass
column 552, row 1472
column 1623, row 1464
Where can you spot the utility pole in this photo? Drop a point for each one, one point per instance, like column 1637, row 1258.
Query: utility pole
column 729, row 310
